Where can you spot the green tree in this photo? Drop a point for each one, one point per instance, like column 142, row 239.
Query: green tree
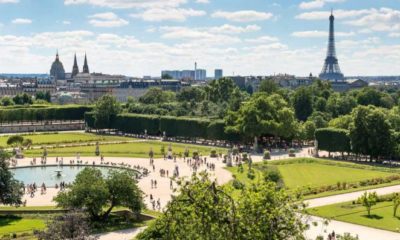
column 157, row 96
column 368, row 200
column 263, row 115
column 303, row 103
column 15, row 140
column 6, row 101
column 98, row 195
column 396, row 203
column 188, row 94
column 105, row 111
column 204, row 210
column 268, row 86
column 11, row 190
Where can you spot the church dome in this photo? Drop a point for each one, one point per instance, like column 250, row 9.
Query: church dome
column 57, row 69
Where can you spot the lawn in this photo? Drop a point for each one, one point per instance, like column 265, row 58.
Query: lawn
column 298, row 173
column 68, row 137
column 136, row 149
column 18, row 225
column 381, row 215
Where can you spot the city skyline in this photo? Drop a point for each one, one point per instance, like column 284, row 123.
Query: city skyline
column 139, row 38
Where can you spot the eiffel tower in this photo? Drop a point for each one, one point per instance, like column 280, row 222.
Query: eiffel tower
column 331, row 70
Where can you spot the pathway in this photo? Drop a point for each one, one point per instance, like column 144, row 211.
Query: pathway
column 127, row 234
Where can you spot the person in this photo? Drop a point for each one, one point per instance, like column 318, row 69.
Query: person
column 171, row 186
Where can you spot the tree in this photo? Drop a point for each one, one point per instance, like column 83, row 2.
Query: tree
column 47, row 96
column 11, row 190
column 97, row 195
column 333, row 140
column 15, row 140
column 7, row 101
column 157, row 96
column 268, row 86
column 204, row 210
column 368, row 200
column 263, row 115
column 309, row 130
column 105, row 111
column 396, row 203
column 303, row 103
column 27, row 142
column 188, row 94
column 166, row 76
column 72, row 225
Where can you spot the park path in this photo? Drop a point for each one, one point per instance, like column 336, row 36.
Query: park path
column 318, row 202
column 127, row 234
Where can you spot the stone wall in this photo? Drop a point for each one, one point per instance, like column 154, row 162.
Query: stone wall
column 42, row 126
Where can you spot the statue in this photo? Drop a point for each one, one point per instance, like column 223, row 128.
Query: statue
column 97, row 151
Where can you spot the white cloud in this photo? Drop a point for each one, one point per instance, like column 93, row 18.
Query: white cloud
column 317, row 34
column 230, row 29
column 317, row 3
column 21, row 21
column 203, row 1
column 243, row 16
column 171, row 14
column 382, row 20
column 107, row 19
column 339, row 14
column 65, row 22
column 128, row 3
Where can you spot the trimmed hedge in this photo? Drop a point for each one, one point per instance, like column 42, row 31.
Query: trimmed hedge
column 44, row 113
column 333, row 140
column 173, row 126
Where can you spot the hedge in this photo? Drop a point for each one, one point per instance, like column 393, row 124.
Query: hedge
column 172, row 126
column 333, row 140
column 45, row 113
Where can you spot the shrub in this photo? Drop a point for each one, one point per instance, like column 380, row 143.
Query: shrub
column 237, row 184
column 213, row 153
column 245, row 157
column 267, row 155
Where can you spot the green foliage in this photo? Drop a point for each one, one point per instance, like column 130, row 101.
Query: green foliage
column 368, row 200
column 105, row 112
column 303, row 103
column 10, row 189
column 267, row 155
column 93, row 193
column 333, row 140
column 157, row 96
column 204, row 210
column 268, row 86
column 396, row 203
column 15, row 140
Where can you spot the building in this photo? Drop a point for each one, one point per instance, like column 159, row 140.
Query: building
column 137, row 88
column 187, row 75
column 218, row 73
column 331, row 70
column 349, row 84
column 57, row 69
column 75, row 68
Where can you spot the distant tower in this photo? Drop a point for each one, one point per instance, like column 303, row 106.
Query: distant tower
column 195, row 71
column 57, row 69
column 331, row 69
column 85, row 66
column 75, row 68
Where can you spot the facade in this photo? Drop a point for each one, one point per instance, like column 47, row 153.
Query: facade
column 218, row 73
column 331, row 70
column 57, row 69
column 188, row 75
column 349, row 84
column 137, row 88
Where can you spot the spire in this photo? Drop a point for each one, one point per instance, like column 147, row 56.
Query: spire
column 75, row 68
column 331, row 69
column 85, row 66
column 57, row 57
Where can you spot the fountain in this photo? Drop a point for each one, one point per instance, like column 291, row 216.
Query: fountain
column 58, row 173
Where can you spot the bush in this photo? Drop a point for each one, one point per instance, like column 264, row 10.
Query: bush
column 245, row 157
column 237, row 184
column 267, row 155
column 213, row 153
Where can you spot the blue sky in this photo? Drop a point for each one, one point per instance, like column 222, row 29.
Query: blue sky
column 248, row 37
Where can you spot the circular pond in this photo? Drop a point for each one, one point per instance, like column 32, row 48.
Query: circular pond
column 51, row 175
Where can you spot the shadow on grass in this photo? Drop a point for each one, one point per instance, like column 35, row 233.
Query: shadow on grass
column 7, row 220
column 373, row 216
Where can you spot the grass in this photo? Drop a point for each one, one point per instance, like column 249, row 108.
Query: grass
column 59, row 138
column 381, row 215
column 136, row 149
column 17, row 224
column 243, row 178
column 299, row 175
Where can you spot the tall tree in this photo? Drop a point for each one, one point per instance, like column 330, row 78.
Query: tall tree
column 11, row 190
column 105, row 111
column 303, row 103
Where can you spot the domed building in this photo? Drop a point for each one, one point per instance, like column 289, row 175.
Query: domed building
column 57, row 69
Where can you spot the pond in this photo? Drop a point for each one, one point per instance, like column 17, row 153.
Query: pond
column 51, row 175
